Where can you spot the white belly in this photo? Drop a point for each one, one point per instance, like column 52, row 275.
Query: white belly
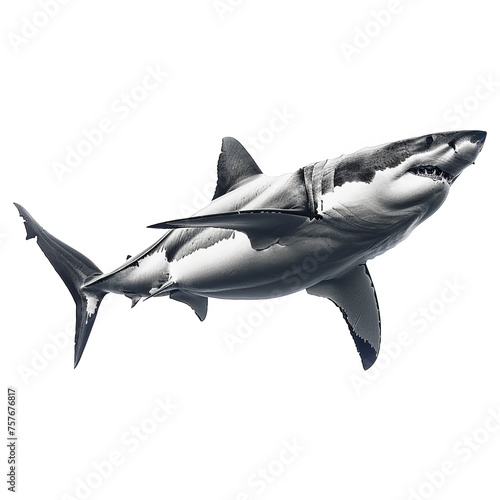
column 231, row 268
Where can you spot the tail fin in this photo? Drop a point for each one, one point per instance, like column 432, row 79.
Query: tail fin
column 75, row 270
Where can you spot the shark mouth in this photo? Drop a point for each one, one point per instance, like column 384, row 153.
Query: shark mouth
column 432, row 172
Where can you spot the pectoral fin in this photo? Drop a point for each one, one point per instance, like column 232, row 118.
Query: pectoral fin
column 263, row 227
column 196, row 302
column 355, row 295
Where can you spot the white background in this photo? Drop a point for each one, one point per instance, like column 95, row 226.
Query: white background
column 297, row 376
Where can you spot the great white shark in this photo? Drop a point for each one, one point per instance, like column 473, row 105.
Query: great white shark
column 263, row 237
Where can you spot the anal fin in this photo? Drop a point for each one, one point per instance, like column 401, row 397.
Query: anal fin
column 355, row 295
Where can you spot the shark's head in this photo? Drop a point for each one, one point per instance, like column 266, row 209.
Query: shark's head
column 409, row 178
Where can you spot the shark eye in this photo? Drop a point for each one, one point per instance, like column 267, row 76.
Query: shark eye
column 429, row 140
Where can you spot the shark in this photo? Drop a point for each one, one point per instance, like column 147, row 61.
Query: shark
column 264, row 237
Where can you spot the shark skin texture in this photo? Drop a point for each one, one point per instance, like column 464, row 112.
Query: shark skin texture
column 263, row 237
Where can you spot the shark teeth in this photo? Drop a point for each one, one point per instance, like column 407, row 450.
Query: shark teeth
column 433, row 172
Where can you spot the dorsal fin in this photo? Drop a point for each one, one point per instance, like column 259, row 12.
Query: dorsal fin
column 235, row 165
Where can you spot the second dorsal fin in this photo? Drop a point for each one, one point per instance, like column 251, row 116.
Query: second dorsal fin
column 235, row 165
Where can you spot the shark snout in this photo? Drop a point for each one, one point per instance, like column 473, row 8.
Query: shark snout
column 465, row 147
column 468, row 144
column 478, row 136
